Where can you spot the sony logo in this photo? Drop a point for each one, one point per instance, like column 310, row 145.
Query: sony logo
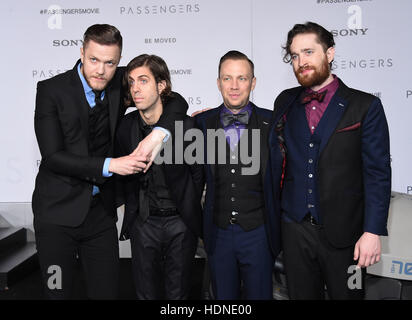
column 349, row 32
column 67, row 43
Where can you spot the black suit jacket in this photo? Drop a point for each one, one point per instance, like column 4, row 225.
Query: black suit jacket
column 63, row 188
column 185, row 181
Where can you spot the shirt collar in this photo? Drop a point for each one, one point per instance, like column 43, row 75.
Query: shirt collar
column 87, row 89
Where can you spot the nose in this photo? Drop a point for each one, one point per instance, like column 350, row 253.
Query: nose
column 100, row 69
column 134, row 87
column 302, row 61
column 234, row 85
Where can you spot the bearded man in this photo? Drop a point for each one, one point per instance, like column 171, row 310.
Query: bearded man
column 333, row 145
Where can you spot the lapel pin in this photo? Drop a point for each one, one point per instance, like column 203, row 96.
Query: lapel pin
column 341, row 104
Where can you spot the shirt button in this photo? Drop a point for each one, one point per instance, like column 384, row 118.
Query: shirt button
column 310, row 175
column 311, row 145
column 233, row 157
column 233, row 185
column 234, row 213
column 313, row 127
column 310, row 190
column 310, row 206
column 232, row 199
column 313, row 108
column 233, row 170
column 310, row 161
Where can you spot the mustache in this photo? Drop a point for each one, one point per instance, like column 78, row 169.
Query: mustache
column 304, row 68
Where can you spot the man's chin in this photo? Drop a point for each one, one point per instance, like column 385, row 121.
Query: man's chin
column 99, row 87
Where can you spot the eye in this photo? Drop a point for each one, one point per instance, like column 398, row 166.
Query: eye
column 294, row 57
column 143, row 81
column 308, row 52
column 93, row 59
column 110, row 63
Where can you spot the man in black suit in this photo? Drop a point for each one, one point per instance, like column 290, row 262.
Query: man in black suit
column 241, row 220
column 337, row 177
column 162, row 206
column 74, row 201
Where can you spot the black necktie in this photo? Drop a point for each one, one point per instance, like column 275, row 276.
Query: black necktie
column 229, row 118
column 308, row 97
column 97, row 96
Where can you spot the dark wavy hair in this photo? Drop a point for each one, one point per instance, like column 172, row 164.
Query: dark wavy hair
column 103, row 34
column 157, row 67
column 324, row 37
column 235, row 55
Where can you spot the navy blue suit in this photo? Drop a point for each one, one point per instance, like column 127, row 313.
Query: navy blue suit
column 340, row 175
column 271, row 228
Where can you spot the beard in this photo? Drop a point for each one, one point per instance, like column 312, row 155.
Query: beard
column 316, row 78
column 96, row 85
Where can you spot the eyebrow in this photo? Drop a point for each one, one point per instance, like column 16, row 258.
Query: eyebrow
column 140, row 76
column 303, row 50
column 110, row 60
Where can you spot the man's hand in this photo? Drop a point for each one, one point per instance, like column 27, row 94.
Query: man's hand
column 150, row 146
column 199, row 111
column 126, row 165
column 367, row 250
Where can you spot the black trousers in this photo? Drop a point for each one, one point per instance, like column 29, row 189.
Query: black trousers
column 163, row 249
column 311, row 263
column 94, row 243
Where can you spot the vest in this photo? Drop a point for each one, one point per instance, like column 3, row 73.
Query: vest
column 99, row 129
column 300, row 194
column 236, row 195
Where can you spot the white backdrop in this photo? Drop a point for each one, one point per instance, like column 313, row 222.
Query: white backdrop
column 43, row 38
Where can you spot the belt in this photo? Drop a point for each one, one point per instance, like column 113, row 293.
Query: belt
column 311, row 219
column 164, row 212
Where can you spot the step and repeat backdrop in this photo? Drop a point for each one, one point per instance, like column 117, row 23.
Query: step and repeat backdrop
column 41, row 39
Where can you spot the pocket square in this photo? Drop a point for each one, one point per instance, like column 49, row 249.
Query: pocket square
column 349, row 128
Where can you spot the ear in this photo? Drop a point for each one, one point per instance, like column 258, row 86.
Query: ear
column 161, row 86
column 330, row 53
column 81, row 55
column 253, row 83
column 219, row 84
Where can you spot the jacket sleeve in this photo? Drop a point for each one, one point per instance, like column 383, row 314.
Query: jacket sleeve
column 51, row 141
column 175, row 109
column 376, row 169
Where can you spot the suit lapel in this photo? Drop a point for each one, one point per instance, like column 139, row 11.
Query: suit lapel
column 213, row 123
column 333, row 114
column 135, row 133
column 113, row 93
column 256, row 122
column 80, row 100
column 281, row 108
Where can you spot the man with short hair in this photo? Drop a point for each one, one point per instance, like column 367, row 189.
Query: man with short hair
column 74, row 201
column 162, row 208
column 241, row 221
column 337, row 176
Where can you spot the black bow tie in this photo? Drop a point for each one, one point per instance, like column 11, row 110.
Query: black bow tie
column 229, row 118
column 308, row 97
